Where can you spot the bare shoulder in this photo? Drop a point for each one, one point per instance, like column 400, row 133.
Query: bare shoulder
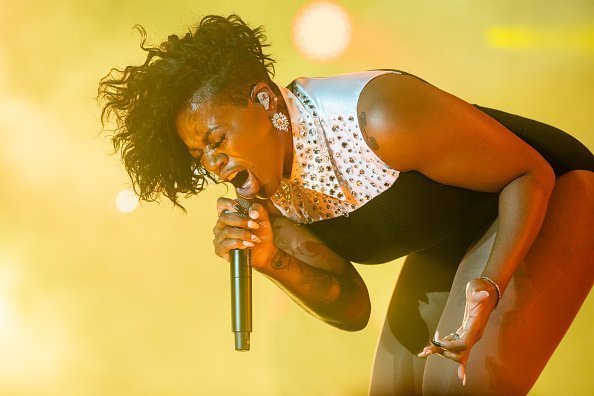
column 395, row 111
column 400, row 91
column 413, row 125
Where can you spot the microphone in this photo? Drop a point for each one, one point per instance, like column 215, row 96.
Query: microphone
column 241, row 288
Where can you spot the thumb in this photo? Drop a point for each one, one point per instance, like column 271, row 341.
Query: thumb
column 479, row 295
column 462, row 374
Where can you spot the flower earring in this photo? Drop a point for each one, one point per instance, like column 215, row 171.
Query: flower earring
column 280, row 121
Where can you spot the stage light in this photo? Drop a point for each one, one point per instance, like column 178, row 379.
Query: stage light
column 126, row 201
column 321, row 30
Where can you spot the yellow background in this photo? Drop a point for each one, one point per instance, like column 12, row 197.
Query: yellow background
column 96, row 302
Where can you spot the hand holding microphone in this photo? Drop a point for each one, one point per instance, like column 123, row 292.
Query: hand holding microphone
column 243, row 236
column 241, row 286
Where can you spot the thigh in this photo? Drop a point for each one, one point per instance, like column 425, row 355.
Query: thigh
column 415, row 308
column 539, row 304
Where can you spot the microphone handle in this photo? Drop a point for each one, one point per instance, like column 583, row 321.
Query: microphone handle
column 241, row 297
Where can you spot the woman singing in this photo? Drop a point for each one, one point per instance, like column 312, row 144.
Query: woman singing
column 493, row 211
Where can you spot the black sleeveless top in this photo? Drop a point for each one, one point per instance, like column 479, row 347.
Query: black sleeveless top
column 417, row 213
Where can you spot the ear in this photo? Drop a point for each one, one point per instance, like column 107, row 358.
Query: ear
column 259, row 93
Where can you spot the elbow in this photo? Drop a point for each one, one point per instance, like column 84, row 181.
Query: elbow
column 352, row 324
column 359, row 311
column 361, row 322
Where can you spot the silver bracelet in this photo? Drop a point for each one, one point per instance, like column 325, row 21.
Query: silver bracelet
column 491, row 281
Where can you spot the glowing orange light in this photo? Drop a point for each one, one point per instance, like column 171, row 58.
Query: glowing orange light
column 321, row 30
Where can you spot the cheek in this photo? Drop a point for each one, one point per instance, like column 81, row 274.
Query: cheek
column 266, row 158
column 261, row 142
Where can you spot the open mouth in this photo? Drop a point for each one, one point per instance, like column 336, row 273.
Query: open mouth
column 245, row 184
column 239, row 179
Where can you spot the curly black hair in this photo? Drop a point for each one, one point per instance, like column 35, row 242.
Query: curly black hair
column 222, row 58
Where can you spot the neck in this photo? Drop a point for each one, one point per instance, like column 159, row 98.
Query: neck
column 286, row 137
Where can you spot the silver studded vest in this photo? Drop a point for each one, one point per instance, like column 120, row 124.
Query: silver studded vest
column 334, row 171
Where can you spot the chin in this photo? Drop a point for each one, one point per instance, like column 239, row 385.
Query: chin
column 268, row 190
column 262, row 194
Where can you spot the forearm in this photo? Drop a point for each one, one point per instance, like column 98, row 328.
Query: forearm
column 522, row 208
column 340, row 300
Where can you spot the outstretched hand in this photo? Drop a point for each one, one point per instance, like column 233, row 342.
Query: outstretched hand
column 456, row 346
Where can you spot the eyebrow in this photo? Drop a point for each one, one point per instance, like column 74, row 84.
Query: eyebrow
column 205, row 138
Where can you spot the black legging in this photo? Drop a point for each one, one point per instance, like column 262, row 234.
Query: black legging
column 561, row 150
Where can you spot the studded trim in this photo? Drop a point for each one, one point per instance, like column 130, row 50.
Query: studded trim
column 334, row 172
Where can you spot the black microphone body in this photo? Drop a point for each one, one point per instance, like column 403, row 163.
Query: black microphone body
column 241, row 298
column 241, row 289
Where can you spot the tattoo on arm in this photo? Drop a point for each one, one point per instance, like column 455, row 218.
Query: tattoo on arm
column 321, row 285
column 371, row 142
column 317, row 280
column 280, row 260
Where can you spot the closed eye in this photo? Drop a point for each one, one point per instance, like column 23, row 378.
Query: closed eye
column 218, row 142
column 197, row 153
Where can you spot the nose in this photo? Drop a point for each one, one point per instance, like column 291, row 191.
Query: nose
column 214, row 161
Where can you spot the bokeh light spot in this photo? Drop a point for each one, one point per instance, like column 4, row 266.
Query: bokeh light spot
column 321, row 30
column 126, row 201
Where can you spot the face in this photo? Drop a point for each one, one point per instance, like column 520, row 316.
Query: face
column 237, row 144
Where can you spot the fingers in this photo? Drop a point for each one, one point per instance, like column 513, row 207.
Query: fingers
column 452, row 346
column 234, row 231
column 461, row 359
column 227, row 219
column 239, row 234
column 224, row 204
column 432, row 348
column 435, row 350
column 258, row 212
column 227, row 209
column 222, row 249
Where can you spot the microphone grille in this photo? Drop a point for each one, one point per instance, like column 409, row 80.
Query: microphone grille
column 244, row 204
column 244, row 207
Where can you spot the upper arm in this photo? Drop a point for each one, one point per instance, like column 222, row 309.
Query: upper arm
column 417, row 126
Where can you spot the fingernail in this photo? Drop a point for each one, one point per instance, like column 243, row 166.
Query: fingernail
column 254, row 214
column 253, row 224
column 436, row 335
column 255, row 238
column 248, row 244
column 437, row 343
column 463, row 379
